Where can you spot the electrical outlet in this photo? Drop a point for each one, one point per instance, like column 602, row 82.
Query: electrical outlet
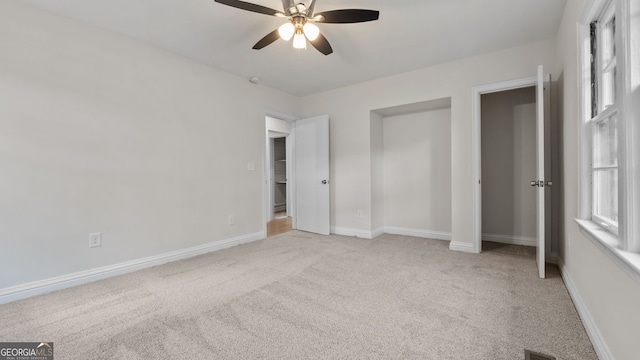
column 95, row 240
column 231, row 220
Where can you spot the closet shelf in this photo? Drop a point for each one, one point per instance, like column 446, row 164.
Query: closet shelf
column 281, row 182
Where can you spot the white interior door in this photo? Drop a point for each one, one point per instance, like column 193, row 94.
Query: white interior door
column 312, row 175
column 540, row 167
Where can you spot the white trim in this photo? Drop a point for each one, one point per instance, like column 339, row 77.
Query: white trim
column 599, row 344
column 608, row 244
column 27, row 290
column 627, row 58
column 589, row 122
column 352, row 232
column 377, row 232
column 291, row 176
column 510, row 239
column 282, row 116
column 584, row 101
column 464, row 247
column 628, row 132
column 591, row 10
column 427, row 234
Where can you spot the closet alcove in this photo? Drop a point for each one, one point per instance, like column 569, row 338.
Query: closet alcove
column 411, row 169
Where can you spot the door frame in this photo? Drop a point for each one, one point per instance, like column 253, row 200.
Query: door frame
column 476, row 145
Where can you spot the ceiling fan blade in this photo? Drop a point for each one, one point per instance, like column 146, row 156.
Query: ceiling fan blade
column 311, row 8
column 250, row 7
column 346, row 16
column 267, row 40
column 322, row 44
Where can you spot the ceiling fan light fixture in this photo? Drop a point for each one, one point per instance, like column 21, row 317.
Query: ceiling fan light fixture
column 299, row 42
column 286, row 31
column 297, row 26
column 311, row 31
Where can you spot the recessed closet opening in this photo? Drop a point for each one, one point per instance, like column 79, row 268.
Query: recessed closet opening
column 508, row 165
column 411, row 169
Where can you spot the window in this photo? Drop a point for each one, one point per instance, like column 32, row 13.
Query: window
column 610, row 130
column 603, row 122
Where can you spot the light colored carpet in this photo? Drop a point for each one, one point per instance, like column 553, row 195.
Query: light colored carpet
column 304, row 296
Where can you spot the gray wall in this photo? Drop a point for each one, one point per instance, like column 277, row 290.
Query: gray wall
column 508, row 165
column 101, row 133
column 417, row 171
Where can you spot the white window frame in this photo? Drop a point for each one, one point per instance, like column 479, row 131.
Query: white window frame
column 623, row 244
column 603, row 113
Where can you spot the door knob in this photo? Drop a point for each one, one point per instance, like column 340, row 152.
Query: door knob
column 541, row 183
column 325, row 182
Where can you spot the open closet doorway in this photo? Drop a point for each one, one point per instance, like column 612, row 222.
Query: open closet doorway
column 512, row 178
column 508, row 138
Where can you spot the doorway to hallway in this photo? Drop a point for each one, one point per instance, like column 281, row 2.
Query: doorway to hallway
column 297, row 174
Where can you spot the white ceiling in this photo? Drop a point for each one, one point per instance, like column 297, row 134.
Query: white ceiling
column 410, row 34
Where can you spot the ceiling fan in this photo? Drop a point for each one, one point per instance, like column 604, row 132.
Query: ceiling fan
column 301, row 25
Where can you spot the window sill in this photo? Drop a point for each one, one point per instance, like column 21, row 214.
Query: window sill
column 608, row 243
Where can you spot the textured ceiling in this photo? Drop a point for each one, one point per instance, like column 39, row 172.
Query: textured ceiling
column 410, row 34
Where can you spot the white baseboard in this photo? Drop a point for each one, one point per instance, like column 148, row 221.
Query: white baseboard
column 510, row 239
column 599, row 344
column 438, row 235
column 27, row 290
column 377, row 232
column 453, row 245
column 352, row 232
column 464, row 247
column 391, row 230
